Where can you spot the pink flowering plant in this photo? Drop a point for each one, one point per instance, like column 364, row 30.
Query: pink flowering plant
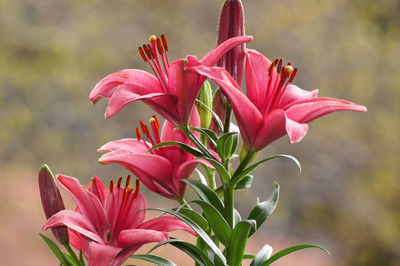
column 108, row 225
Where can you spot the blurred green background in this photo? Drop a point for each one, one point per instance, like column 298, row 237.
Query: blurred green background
column 347, row 198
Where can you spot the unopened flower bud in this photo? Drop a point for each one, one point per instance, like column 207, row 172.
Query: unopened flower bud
column 52, row 201
column 205, row 96
column 231, row 24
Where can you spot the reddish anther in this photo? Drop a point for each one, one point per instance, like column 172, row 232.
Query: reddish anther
column 148, row 52
column 138, row 134
column 142, row 54
column 128, row 181
column 293, row 75
column 119, row 182
column 164, row 42
column 159, row 46
column 111, row 186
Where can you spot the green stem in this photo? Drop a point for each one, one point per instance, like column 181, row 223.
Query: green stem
column 228, row 114
column 185, row 129
column 72, row 253
column 211, row 177
column 229, row 204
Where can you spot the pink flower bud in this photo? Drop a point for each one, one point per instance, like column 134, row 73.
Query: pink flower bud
column 231, row 24
column 52, row 201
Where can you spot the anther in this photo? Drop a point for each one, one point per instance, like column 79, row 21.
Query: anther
column 142, row 54
column 148, row 52
column 293, row 75
column 154, row 124
column 151, row 51
column 138, row 134
column 124, row 194
column 128, row 181
column 288, row 70
column 159, row 46
column 164, row 42
column 279, row 67
column 111, row 186
column 271, row 67
column 119, row 182
column 137, row 190
column 156, row 119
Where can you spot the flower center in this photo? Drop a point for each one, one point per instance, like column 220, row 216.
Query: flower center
column 122, row 203
column 151, row 54
column 279, row 77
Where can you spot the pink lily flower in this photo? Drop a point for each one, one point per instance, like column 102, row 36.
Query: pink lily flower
column 273, row 106
column 161, row 170
column 171, row 91
column 107, row 224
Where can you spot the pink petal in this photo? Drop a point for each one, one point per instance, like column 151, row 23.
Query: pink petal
column 247, row 115
column 166, row 224
column 185, row 170
column 138, row 237
column 87, row 202
column 275, row 125
column 308, row 110
column 293, row 93
column 141, row 79
column 126, row 94
column 74, row 221
column 78, row 241
column 131, row 145
column 102, row 255
column 97, row 188
column 135, row 217
column 214, row 55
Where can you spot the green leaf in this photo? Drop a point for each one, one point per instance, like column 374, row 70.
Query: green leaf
column 205, row 193
column 264, row 209
column 197, row 229
column 202, row 178
column 215, row 116
column 225, row 144
column 154, row 259
column 236, row 217
column 211, row 135
column 81, row 257
column 236, row 179
column 245, row 183
column 217, row 222
column 224, row 174
column 195, row 217
column 248, row 256
column 237, row 243
column 55, row 249
column 262, row 256
column 195, row 252
column 184, row 146
column 289, row 250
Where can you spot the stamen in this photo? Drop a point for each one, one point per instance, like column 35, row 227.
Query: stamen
column 119, row 182
column 124, row 195
column 288, row 70
column 111, row 186
column 293, row 75
column 148, row 52
column 164, row 42
column 146, row 131
column 138, row 134
column 137, row 190
column 271, row 67
column 157, row 122
column 128, row 181
column 159, row 46
column 279, row 67
column 142, row 54
column 152, row 38
column 156, row 129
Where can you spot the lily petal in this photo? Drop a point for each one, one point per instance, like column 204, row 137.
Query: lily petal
column 293, row 93
column 166, row 224
column 246, row 113
column 74, row 221
column 87, row 202
column 308, row 110
column 102, row 255
column 131, row 145
column 135, row 237
column 138, row 78
column 275, row 125
column 214, row 55
column 97, row 188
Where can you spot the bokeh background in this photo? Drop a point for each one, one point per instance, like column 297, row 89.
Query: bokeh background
column 347, row 198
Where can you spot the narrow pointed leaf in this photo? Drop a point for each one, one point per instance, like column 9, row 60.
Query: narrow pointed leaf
column 154, row 259
column 224, row 174
column 55, row 249
column 217, row 222
column 205, row 193
column 237, row 243
column 245, row 183
column 236, row 217
column 211, row 135
column 184, row 146
column 289, row 250
column 197, row 229
column 215, row 116
column 264, row 209
column 202, row 178
column 81, row 257
column 248, row 256
column 262, row 256
column 195, row 217
column 193, row 251
column 225, row 144
column 250, row 169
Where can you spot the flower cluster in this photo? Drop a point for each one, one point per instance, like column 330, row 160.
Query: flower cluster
column 108, row 224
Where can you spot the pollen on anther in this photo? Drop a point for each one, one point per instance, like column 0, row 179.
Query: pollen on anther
column 152, row 38
column 156, row 125
column 159, row 46
column 156, row 119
